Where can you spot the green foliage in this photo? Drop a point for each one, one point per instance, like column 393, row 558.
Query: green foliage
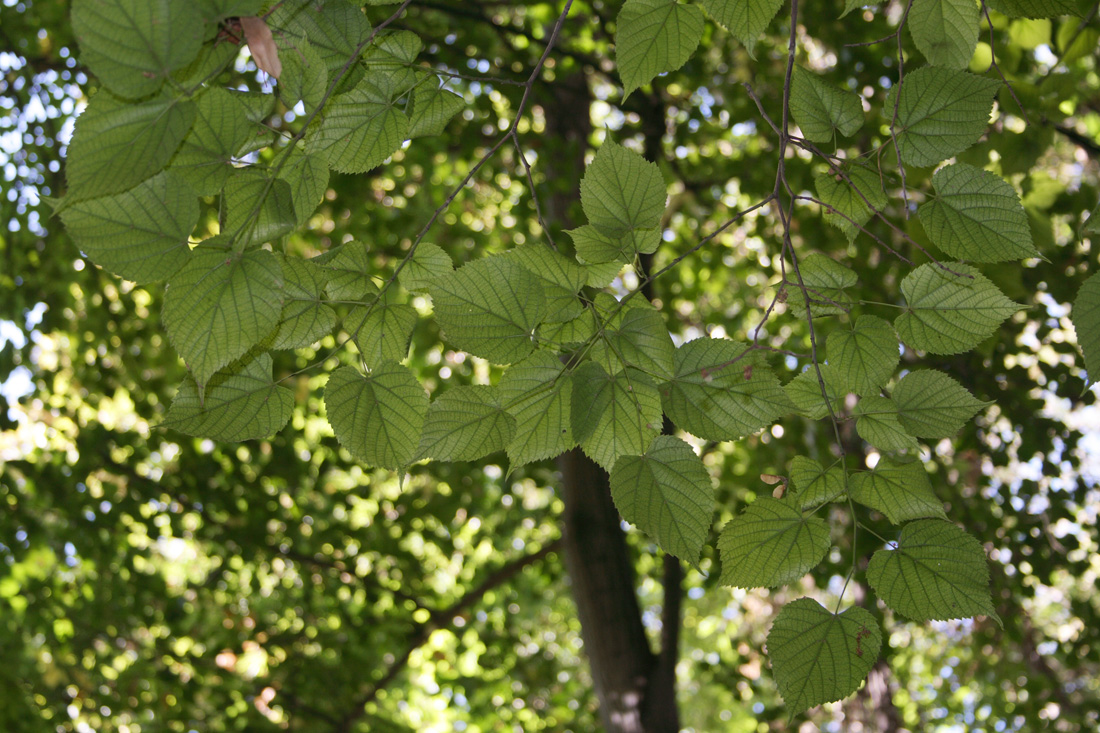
column 820, row 656
column 174, row 174
column 935, row 572
column 771, row 544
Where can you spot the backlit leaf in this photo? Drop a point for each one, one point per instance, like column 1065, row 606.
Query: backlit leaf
column 818, row 656
column 877, row 423
column 433, row 106
column 381, row 331
column 745, row 19
column 243, row 404
column 428, row 262
column 654, row 36
column 132, row 45
column 900, row 489
column 719, row 392
column 849, row 195
column 378, row 417
column 1086, row 322
column 933, row 405
column 351, row 273
column 945, row 31
column 666, row 492
column 621, row 191
column 941, row 112
column 140, row 234
column 595, row 246
column 815, row 485
column 305, row 319
column 976, row 215
column 538, row 393
column 307, row 176
column 117, row 144
column 804, row 392
column 1035, row 8
column 359, row 130
column 221, row 128
column 220, row 305
column 948, row 313
column 490, row 308
column 864, row 357
column 259, row 209
column 466, row 423
column 821, row 109
column 937, row 572
column 771, row 544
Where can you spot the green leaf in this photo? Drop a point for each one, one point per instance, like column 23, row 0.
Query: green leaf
column 947, row 313
column 308, row 179
column 466, row 423
column 538, row 393
column 771, row 544
column 1086, row 322
column 490, row 308
column 877, row 423
column 259, row 209
column 652, row 37
column 945, row 31
column 243, row 404
column 941, row 112
column 596, row 247
column 641, row 340
column 825, row 280
column 666, row 492
column 213, row 58
column 433, row 106
column 561, row 279
column 976, row 215
column 818, row 656
column 360, row 129
column 849, row 195
column 351, row 273
column 937, row 572
column 132, row 45
column 804, row 392
column 821, row 109
column 140, row 234
column 215, row 11
column 720, row 393
column 614, row 415
column 428, row 262
column 221, row 128
column 378, row 418
column 382, row 331
column 335, row 30
column 815, row 485
column 865, row 357
column 1035, row 8
column 745, row 19
column 305, row 75
column 220, row 305
column 305, row 319
column 117, row 144
column 899, row 489
column 621, row 191
column 933, row 405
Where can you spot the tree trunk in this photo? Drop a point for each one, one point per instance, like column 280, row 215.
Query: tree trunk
column 636, row 688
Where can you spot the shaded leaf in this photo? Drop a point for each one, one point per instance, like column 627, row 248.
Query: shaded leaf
column 140, row 234
column 937, row 572
column 818, row 656
column 466, row 423
column 941, row 112
column 720, row 393
column 351, row 273
column 490, row 308
column 900, row 489
column 307, row 176
column 976, row 215
column 378, row 417
column 771, row 544
column 1035, row 8
column 259, row 209
column 849, row 195
column 220, row 305
column 666, row 492
column 948, row 313
column 243, row 404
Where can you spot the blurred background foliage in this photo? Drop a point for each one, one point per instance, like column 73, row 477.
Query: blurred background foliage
column 153, row 582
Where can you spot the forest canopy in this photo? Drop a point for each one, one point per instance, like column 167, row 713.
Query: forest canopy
column 641, row 366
